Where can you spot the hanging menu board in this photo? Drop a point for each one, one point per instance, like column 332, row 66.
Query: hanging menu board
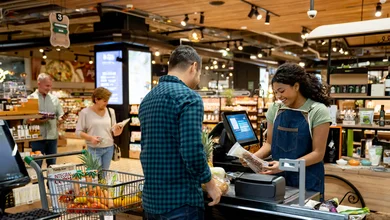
column 140, row 75
column 109, row 74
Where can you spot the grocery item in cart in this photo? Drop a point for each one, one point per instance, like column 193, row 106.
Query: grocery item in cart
column 255, row 163
column 58, row 187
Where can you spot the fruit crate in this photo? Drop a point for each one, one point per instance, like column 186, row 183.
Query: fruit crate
column 103, row 194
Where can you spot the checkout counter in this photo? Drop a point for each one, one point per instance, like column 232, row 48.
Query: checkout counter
column 255, row 196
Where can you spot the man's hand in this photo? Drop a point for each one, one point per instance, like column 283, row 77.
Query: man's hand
column 214, row 192
column 37, row 121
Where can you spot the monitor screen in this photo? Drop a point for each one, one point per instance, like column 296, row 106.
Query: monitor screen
column 140, row 75
column 239, row 128
column 109, row 74
column 12, row 167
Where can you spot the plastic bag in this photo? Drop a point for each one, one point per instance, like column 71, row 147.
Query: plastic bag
column 255, row 163
column 222, row 184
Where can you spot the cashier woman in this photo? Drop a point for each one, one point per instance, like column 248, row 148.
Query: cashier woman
column 298, row 125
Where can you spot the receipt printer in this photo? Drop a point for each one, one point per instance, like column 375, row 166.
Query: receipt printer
column 261, row 187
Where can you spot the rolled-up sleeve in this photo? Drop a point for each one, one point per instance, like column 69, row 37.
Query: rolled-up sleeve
column 191, row 147
column 80, row 126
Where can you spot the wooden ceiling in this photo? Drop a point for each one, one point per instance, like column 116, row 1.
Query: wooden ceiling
column 233, row 14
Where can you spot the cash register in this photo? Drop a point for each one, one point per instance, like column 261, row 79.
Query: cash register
column 13, row 174
column 236, row 127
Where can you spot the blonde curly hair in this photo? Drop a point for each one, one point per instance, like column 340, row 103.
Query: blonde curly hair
column 101, row 93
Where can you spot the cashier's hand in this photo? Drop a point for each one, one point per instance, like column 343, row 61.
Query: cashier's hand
column 243, row 162
column 214, row 192
column 273, row 168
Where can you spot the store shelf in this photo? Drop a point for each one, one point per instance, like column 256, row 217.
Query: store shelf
column 369, row 127
column 28, row 140
column 343, row 96
column 20, row 117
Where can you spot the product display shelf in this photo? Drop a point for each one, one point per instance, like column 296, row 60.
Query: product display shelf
column 71, row 107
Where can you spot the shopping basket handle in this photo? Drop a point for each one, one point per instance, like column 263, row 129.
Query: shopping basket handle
column 28, row 159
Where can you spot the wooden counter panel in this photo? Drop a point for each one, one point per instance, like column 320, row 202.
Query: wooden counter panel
column 374, row 186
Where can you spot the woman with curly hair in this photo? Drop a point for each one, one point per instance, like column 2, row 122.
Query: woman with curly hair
column 298, row 125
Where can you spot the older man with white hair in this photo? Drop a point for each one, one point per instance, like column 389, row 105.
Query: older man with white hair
column 48, row 127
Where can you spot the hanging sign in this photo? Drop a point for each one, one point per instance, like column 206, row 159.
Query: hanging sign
column 59, row 30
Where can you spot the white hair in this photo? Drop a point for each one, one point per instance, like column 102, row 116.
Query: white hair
column 43, row 76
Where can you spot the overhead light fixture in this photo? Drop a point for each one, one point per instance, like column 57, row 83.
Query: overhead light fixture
column 378, row 11
column 157, row 53
column 168, row 62
column 58, row 49
column 223, row 66
column 240, row 47
column 253, row 57
column 216, row 67
column 207, row 67
column 201, row 20
column 304, row 33
column 227, row 46
column 258, row 15
column 215, row 62
column 44, row 56
column 346, row 52
column 76, row 58
column 251, row 12
column 323, row 42
column 230, row 74
column 260, row 55
column 212, row 67
column 386, row 58
column 41, row 50
column 153, row 62
column 335, row 48
column 341, row 51
column 184, row 22
column 305, row 46
column 302, row 64
column 267, row 19
column 90, row 60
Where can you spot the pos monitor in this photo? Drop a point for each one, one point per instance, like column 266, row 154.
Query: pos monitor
column 239, row 128
column 13, row 172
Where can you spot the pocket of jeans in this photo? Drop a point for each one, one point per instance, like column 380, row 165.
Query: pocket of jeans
column 287, row 138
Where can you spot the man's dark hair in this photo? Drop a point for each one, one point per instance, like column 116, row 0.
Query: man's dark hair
column 184, row 56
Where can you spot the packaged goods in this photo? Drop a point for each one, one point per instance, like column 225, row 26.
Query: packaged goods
column 255, row 163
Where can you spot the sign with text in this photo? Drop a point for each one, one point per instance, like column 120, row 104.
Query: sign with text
column 140, row 75
column 59, row 30
column 109, row 74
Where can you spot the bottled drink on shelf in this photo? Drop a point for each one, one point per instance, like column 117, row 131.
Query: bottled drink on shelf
column 387, row 85
column 382, row 115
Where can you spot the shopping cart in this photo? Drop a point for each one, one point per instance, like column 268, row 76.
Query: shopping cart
column 115, row 192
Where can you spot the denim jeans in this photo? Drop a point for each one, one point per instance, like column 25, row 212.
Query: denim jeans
column 46, row 147
column 183, row 213
column 104, row 155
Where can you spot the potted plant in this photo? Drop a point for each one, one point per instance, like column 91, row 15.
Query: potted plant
column 228, row 93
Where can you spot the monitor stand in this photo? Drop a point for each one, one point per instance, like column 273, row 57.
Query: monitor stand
column 3, row 196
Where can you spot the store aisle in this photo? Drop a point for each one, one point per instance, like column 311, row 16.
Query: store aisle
column 124, row 164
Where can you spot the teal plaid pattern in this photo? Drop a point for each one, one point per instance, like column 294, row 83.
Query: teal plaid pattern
column 172, row 156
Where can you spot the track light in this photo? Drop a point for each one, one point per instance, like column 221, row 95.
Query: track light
column 335, row 48
column 378, row 12
column 41, row 50
column 184, row 22
column 90, row 60
column 258, row 15
column 260, row 55
column 206, row 67
column 341, row 50
column 201, row 20
column 346, row 53
column 76, row 58
column 230, row 74
column 386, row 58
column 223, row 66
column 215, row 62
column 323, row 42
column 58, row 49
column 304, row 33
column 251, row 12
column 252, row 57
column 157, row 53
column 44, row 56
column 302, row 64
column 305, row 46
column 267, row 19
column 153, row 62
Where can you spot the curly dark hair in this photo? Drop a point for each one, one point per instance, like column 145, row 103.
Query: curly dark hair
column 309, row 85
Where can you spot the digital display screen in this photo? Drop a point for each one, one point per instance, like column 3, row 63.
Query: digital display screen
column 140, row 75
column 9, row 168
column 109, row 74
column 241, row 128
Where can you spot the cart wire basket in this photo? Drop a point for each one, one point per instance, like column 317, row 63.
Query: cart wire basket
column 85, row 194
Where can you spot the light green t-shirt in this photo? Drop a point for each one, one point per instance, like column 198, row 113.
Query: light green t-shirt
column 318, row 115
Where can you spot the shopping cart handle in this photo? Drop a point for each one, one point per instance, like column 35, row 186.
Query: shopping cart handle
column 28, row 159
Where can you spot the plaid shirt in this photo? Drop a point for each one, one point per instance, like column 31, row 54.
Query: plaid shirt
column 172, row 155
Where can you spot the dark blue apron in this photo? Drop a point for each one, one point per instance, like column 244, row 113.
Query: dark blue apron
column 292, row 139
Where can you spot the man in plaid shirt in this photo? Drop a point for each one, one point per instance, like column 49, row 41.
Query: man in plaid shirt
column 172, row 155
